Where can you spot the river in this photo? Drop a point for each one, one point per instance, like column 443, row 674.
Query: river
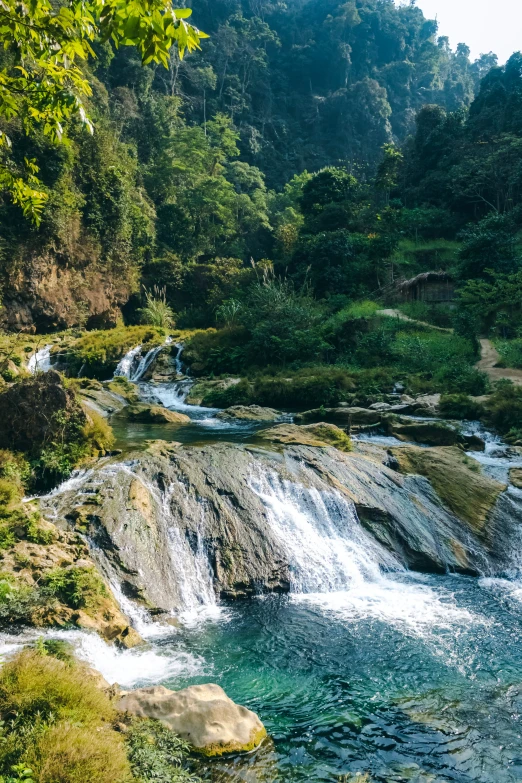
column 363, row 666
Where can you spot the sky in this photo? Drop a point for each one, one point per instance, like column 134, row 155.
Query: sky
column 484, row 25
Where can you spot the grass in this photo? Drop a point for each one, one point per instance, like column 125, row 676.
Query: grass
column 57, row 723
column 59, row 726
column 96, row 354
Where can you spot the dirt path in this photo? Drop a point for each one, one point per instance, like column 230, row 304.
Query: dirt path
column 392, row 313
column 490, row 357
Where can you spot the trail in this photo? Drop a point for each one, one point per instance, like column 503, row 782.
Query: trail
column 489, row 358
column 392, row 313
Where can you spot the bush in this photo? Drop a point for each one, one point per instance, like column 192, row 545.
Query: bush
column 97, row 433
column 459, row 378
column 504, row 408
column 511, row 352
column 57, row 722
column 432, row 314
column 460, row 406
column 78, row 588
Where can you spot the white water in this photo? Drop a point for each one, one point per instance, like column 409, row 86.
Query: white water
column 127, row 364
column 340, row 568
column 126, row 667
column 40, row 361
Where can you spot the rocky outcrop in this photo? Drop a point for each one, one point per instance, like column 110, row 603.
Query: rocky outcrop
column 458, row 481
column 201, row 392
column 430, row 433
column 202, row 715
column 177, row 525
column 38, row 411
column 308, row 435
column 47, row 292
column 248, row 413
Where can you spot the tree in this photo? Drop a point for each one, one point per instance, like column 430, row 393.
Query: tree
column 43, row 86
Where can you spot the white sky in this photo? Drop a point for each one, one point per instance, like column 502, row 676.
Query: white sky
column 484, row 25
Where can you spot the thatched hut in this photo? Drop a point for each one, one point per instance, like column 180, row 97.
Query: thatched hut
column 430, row 287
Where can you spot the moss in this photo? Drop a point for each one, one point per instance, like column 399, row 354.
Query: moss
column 465, row 491
column 310, row 435
column 122, row 386
column 460, row 406
column 78, row 588
column 256, row 739
column 96, row 354
column 97, row 434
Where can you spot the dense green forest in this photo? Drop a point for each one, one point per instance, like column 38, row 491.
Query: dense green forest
column 307, row 158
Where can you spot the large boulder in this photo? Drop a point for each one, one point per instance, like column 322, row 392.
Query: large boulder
column 248, row 413
column 515, row 477
column 155, row 414
column 342, row 416
column 38, row 411
column 310, row 435
column 202, row 715
column 431, row 433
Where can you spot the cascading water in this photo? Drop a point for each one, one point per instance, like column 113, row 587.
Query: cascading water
column 40, row 361
column 327, row 547
column 127, row 365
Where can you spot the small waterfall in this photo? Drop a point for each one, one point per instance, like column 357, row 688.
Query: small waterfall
column 179, row 363
column 327, row 548
column 127, row 365
column 144, row 363
column 40, row 361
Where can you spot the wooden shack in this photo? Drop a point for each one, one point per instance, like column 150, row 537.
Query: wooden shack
column 430, row 287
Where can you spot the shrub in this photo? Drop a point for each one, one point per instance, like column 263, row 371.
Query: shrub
column 78, row 588
column 156, row 754
column 504, row 408
column 97, row 433
column 460, row 406
column 510, row 352
column 459, row 378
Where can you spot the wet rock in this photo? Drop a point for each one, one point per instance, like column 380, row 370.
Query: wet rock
column 249, row 413
column 515, row 477
column 198, row 504
column 202, row 389
column 341, row 416
column 155, row 414
column 202, row 715
column 380, row 406
column 458, row 480
column 431, row 433
column 308, row 435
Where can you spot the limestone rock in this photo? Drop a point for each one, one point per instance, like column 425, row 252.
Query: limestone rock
column 457, row 479
column 310, row 435
column 202, row 715
column 431, row 433
column 341, row 416
column 155, row 414
column 249, row 413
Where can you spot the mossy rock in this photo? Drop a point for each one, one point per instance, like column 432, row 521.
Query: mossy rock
column 457, row 479
column 126, row 389
column 515, row 477
column 249, row 413
column 155, row 414
column 321, row 434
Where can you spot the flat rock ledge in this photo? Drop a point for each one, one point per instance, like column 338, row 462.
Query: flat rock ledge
column 202, row 715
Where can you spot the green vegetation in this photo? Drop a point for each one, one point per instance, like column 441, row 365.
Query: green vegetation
column 96, row 354
column 504, row 411
column 57, row 726
column 156, row 311
column 460, row 406
column 156, row 754
column 511, row 352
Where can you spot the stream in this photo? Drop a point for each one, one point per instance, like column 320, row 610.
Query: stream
column 364, row 666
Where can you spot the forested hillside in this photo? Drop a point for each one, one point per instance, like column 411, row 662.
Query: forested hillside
column 184, row 180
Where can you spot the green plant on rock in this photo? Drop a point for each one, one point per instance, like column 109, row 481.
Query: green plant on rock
column 78, row 588
column 156, row 754
column 459, row 406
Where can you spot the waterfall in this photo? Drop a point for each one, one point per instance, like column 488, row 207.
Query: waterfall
column 40, row 361
column 179, row 363
column 127, row 365
column 328, row 550
column 145, row 363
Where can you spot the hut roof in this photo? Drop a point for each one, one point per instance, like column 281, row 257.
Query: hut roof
column 426, row 277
